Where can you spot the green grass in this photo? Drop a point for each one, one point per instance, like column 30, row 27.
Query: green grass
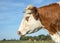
column 25, row 42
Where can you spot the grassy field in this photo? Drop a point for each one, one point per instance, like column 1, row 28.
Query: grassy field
column 25, row 42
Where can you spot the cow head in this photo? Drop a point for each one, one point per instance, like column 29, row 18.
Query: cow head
column 30, row 22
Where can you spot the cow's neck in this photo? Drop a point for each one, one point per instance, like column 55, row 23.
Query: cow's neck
column 49, row 17
column 52, row 28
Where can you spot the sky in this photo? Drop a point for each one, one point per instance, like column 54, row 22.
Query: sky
column 11, row 14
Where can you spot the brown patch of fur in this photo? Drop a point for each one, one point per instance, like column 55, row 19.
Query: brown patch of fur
column 35, row 13
column 49, row 16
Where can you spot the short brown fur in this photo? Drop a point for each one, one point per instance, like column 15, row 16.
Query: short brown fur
column 50, row 17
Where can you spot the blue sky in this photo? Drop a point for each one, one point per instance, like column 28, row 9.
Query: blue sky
column 11, row 14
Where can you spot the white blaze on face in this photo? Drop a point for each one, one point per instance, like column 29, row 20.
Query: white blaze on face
column 30, row 25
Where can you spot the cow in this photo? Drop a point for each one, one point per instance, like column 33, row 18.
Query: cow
column 47, row 17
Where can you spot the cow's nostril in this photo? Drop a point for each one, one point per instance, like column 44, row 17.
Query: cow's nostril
column 19, row 32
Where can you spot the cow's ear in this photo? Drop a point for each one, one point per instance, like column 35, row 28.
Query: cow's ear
column 35, row 13
column 34, row 9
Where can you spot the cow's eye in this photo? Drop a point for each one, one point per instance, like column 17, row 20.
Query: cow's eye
column 27, row 18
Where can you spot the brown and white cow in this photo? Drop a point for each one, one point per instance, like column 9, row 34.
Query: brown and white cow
column 47, row 17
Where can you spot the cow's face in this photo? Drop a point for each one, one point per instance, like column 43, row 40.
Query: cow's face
column 30, row 23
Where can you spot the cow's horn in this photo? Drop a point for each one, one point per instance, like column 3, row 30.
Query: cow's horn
column 29, row 6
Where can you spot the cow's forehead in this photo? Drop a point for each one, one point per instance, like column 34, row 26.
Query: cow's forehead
column 28, row 11
column 26, row 15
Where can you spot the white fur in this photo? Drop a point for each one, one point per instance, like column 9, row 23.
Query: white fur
column 28, row 11
column 56, row 38
column 31, row 25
